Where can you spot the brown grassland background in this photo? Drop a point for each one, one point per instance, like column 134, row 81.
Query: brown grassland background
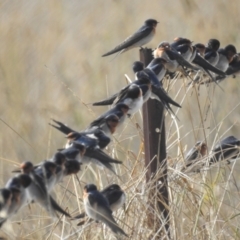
column 51, row 67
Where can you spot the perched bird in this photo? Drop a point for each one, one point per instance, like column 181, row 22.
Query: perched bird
column 37, row 191
column 139, row 70
column 104, row 130
column 157, row 91
column 157, row 65
column 211, row 51
column 142, row 91
column 138, row 39
column 47, row 171
column 18, row 198
column 97, row 208
column 120, row 110
column 195, row 154
column 226, row 149
column 97, row 134
column 200, row 48
column 115, row 196
column 233, row 69
column 175, row 62
column 234, row 66
column 75, row 151
column 184, row 47
column 71, row 167
column 225, row 57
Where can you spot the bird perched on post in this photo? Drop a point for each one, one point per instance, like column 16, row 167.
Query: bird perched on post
column 141, row 37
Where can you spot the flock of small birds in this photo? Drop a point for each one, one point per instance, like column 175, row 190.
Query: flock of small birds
column 34, row 183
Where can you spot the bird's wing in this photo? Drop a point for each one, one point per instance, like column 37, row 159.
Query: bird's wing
column 181, row 61
column 143, row 32
column 163, row 96
column 107, row 101
column 62, row 127
column 206, row 65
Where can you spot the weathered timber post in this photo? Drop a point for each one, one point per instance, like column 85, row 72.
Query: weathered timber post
column 155, row 149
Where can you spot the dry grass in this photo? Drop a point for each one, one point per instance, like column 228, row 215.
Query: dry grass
column 51, row 67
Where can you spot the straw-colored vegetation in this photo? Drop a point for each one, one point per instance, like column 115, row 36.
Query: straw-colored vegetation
column 51, row 67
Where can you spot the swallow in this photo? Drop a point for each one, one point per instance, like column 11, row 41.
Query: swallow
column 133, row 95
column 225, row 57
column 234, row 66
column 37, row 191
column 211, row 51
column 97, row 208
column 93, row 133
column 120, row 110
column 71, row 167
column 115, row 197
column 200, row 48
column 226, row 149
column 18, row 198
column 233, row 69
column 47, row 171
column 175, row 62
column 157, row 65
column 105, row 128
column 75, row 151
column 138, row 67
column 159, row 92
column 60, row 160
column 196, row 153
column 141, row 37
column 184, row 47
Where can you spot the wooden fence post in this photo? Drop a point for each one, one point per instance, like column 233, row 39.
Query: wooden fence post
column 155, row 149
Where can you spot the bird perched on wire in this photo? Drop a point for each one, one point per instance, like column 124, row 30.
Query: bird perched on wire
column 141, row 37
column 97, row 208
column 195, row 154
column 115, row 197
column 227, row 149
